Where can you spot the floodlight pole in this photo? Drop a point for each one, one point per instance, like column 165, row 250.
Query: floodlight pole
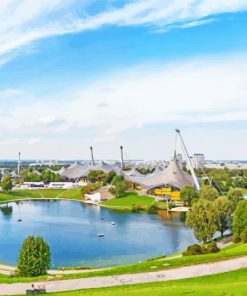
column 91, row 149
column 188, row 160
column 122, row 160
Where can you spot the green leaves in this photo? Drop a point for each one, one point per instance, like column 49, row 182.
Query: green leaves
column 203, row 220
column 7, row 184
column 34, row 257
column 240, row 220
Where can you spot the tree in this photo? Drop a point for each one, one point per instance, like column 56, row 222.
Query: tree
column 234, row 195
column 223, row 207
column 96, row 176
column 7, row 184
column 109, row 177
column 239, row 183
column 240, row 220
column 208, row 192
column 202, row 218
column 120, row 186
column 34, row 257
column 188, row 194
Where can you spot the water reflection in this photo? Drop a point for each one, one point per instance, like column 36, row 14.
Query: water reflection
column 6, row 210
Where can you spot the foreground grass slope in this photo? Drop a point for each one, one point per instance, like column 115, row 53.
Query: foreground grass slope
column 74, row 193
column 225, row 284
column 164, row 263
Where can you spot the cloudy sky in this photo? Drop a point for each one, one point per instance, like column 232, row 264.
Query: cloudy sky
column 75, row 73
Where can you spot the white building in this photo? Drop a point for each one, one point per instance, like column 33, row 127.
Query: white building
column 197, row 160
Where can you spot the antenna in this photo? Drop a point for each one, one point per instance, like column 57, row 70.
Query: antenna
column 91, row 149
column 188, row 160
column 122, row 160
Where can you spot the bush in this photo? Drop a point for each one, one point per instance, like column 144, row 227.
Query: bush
column 138, row 208
column 199, row 250
column 90, row 188
column 34, row 258
column 193, row 250
column 243, row 236
column 153, row 209
column 212, row 248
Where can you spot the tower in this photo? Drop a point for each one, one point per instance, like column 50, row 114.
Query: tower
column 122, row 160
column 91, row 149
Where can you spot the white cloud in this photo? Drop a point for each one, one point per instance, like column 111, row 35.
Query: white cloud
column 12, row 141
column 33, row 141
column 198, row 90
column 22, row 22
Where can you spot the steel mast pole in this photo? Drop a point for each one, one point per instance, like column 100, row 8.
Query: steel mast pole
column 188, row 160
column 91, row 149
column 122, row 160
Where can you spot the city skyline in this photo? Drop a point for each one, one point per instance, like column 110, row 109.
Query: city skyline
column 80, row 73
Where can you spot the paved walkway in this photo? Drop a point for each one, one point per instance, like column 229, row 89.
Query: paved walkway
column 127, row 279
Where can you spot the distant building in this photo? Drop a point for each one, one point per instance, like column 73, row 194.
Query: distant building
column 197, row 160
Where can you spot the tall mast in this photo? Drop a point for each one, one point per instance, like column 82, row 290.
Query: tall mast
column 91, row 149
column 122, row 160
column 188, row 160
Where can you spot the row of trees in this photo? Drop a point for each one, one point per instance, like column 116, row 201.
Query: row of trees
column 46, row 176
column 210, row 212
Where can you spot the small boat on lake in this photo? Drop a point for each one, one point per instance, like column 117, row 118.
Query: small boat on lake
column 113, row 223
column 19, row 220
column 100, row 234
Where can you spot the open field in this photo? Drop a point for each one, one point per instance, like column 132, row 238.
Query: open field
column 132, row 199
column 74, row 193
column 164, row 263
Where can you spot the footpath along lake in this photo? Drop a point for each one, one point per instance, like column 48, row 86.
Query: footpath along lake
column 71, row 229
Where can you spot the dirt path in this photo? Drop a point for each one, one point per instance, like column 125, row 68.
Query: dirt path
column 109, row 281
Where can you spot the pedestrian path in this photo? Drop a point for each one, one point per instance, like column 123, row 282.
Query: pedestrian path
column 130, row 279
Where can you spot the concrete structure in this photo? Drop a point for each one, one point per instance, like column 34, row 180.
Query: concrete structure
column 197, row 160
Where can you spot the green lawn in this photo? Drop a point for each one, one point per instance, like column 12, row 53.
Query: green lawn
column 236, row 250
column 225, row 284
column 74, row 193
column 132, row 199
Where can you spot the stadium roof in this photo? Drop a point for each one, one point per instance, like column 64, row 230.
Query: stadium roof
column 173, row 176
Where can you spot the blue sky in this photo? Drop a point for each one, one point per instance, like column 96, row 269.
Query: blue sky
column 108, row 73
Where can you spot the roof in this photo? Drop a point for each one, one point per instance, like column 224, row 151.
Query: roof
column 77, row 171
column 173, row 176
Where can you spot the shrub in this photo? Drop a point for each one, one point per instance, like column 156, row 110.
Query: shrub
column 153, row 209
column 212, row 248
column 243, row 236
column 198, row 250
column 138, row 208
column 193, row 250
column 90, row 188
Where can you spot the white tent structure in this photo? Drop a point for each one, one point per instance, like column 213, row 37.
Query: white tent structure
column 94, row 198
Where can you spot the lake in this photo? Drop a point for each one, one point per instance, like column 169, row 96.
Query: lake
column 70, row 228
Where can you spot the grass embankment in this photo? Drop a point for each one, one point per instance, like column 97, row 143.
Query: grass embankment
column 233, row 251
column 225, row 284
column 74, row 193
column 130, row 201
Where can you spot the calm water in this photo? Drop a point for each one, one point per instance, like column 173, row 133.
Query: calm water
column 71, row 228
